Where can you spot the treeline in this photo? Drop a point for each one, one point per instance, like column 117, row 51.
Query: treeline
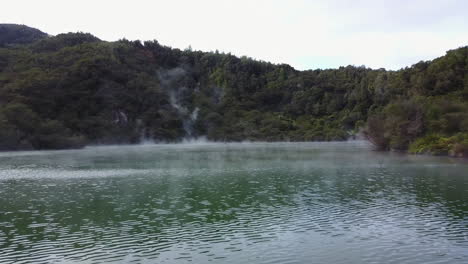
column 74, row 89
column 428, row 108
column 12, row 34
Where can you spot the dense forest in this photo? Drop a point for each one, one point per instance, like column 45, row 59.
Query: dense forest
column 74, row 89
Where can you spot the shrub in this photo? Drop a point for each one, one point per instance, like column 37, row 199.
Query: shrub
column 431, row 144
column 456, row 146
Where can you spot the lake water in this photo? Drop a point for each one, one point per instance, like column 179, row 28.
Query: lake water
column 232, row 203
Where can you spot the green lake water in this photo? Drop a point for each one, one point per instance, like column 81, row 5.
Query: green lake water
column 232, row 203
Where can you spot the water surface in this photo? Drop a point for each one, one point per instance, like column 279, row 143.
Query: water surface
column 232, row 203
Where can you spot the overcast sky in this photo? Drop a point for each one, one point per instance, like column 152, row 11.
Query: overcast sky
column 305, row 34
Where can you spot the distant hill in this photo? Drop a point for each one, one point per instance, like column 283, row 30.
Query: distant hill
column 11, row 34
column 74, row 89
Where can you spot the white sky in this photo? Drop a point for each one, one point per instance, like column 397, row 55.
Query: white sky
column 305, row 34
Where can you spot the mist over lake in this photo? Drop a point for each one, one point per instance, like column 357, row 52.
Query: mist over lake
column 232, row 203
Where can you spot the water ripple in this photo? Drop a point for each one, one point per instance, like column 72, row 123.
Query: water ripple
column 231, row 203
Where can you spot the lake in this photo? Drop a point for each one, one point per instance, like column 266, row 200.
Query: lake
column 232, row 203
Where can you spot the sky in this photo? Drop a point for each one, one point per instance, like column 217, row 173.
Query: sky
column 305, row 34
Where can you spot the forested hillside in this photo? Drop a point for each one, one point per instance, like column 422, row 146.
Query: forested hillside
column 12, row 34
column 73, row 89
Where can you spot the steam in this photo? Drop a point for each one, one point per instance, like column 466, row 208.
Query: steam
column 120, row 117
column 172, row 81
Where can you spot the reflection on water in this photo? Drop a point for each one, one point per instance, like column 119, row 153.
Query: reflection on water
column 232, row 203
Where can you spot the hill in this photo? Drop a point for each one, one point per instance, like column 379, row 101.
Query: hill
column 74, row 89
column 11, row 34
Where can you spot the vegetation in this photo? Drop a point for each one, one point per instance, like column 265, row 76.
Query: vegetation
column 74, row 89
column 12, row 34
column 434, row 144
